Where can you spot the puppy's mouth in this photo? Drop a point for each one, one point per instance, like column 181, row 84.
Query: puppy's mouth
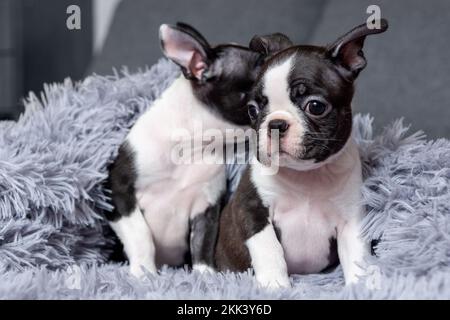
column 282, row 148
column 281, row 155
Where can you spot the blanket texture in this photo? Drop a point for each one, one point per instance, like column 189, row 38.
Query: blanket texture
column 55, row 243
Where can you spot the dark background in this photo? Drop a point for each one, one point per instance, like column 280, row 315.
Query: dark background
column 36, row 48
column 408, row 68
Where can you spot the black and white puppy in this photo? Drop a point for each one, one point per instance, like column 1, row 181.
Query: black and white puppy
column 306, row 216
column 163, row 209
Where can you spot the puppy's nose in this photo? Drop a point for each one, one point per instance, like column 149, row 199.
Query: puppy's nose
column 277, row 124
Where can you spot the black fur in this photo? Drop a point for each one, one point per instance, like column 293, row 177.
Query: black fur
column 244, row 216
column 203, row 234
column 333, row 258
column 269, row 45
column 121, row 181
column 230, row 78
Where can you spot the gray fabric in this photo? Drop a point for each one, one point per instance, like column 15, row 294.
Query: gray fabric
column 112, row 282
column 133, row 37
column 408, row 71
column 53, row 162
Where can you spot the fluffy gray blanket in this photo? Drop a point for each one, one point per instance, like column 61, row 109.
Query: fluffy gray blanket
column 54, row 242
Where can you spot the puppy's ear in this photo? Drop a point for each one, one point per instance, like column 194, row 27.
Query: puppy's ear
column 186, row 47
column 347, row 52
column 270, row 44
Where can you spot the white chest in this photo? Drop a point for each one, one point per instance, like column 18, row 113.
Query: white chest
column 307, row 231
column 307, row 209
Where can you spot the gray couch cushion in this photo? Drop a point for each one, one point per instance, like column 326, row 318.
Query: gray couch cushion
column 408, row 70
column 133, row 38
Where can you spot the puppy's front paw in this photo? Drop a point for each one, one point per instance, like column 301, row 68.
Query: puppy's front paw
column 203, row 268
column 139, row 270
column 273, row 282
column 355, row 275
column 350, row 280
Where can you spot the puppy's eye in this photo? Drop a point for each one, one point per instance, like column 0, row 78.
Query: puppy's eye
column 242, row 96
column 253, row 111
column 317, row 108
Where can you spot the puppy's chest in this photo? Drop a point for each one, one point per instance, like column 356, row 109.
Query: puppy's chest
column 307, row 229
column 306, row 217
column 185, row 190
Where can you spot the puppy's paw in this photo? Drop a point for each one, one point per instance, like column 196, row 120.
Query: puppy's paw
column 355, row 276
column 203, row 268
column 351, row 280
column 139, row 271
column 273, row 282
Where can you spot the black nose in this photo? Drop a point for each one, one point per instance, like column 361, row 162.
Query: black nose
column 279, row 125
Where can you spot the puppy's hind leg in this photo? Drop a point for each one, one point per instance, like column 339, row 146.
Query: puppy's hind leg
column 204, row 229
column 204, row 226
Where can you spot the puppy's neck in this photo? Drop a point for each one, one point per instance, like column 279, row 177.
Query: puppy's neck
column 180, row 96
column 185, row 110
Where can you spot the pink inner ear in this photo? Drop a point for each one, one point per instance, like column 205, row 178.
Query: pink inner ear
column 197, row 65
column 184, row 50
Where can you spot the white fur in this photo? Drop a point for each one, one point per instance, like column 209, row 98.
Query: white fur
column 352, row 250
column 169, row 194
column 310, row 207
column 276, row 89
column 203, row 268
column 137, row 240
column 267, row 259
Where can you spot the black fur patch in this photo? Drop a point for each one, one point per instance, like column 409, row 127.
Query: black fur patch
column 333, row 258
column 121, row 181
column 244, row 216
column 230, row 79
column 203, row 234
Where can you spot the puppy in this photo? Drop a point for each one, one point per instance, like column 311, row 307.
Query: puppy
column 166, row 210
column 307, row 215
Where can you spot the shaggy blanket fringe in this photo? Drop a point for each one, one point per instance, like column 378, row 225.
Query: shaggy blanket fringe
column 55, row 243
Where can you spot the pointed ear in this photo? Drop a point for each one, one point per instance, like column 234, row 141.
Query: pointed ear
column 186, row 47
column 347, row 52
column 270, row 44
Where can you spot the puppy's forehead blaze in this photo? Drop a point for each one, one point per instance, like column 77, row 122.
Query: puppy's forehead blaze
column 276, row 83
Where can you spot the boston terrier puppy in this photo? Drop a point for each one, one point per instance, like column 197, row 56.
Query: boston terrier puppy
column 165, row 209
column 306, row 216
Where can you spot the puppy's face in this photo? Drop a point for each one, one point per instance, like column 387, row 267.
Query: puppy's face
column 221, row 76
column 304, row 94
column 228, row 81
